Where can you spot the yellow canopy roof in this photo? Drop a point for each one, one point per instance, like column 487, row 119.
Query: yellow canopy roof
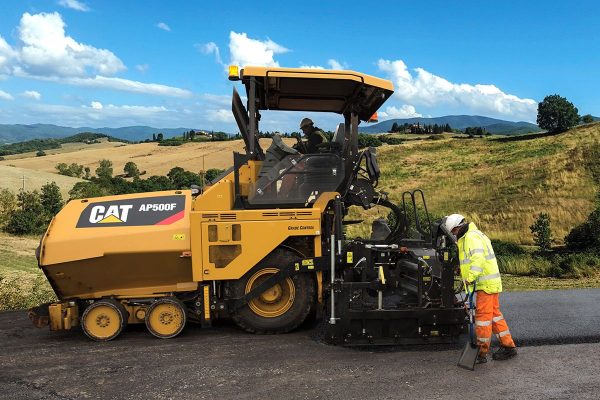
column 298, row 89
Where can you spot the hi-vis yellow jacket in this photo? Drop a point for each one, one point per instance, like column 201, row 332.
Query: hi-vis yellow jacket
column 478, row 261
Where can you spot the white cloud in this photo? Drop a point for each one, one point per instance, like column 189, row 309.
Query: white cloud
column 211, row 48
column 427, row 89
column 46, row 50
column 142, row 68
column 7, row 55
column 405, row 111
column 32, row 94
column 311, row 67
column 121, row 84
column 97, row 114
column 219, row 115
column 163, row 26
column 74, row 5
column 334, row 64
column 246, row 51
column 5, row 96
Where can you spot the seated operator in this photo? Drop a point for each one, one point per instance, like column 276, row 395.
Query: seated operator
column 314, row 135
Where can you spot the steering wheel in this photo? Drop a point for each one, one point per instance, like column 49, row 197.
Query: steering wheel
column 301, row 145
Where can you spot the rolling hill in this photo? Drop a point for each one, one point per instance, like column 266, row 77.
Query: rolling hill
column 19, row 133
column 492, row 125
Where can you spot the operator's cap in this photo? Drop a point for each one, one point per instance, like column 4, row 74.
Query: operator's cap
column 306, row 122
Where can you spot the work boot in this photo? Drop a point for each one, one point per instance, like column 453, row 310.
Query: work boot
column 481, row 359
column 504, row 353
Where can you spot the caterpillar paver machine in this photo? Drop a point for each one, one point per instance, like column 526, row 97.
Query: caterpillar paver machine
column 264, row 244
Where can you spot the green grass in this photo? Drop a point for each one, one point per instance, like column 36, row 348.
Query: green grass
column 498, row 184
column 22, row 283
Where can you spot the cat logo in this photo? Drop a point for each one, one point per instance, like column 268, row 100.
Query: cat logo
column 110, row 215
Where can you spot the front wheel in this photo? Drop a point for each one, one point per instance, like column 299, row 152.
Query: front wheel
column 280, row 308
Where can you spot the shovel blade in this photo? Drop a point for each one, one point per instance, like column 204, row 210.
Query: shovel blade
column 468, row 356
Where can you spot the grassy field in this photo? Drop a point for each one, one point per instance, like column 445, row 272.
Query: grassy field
column 12, row 179
column 22, row 284
column 149, row 157
column 501, row 184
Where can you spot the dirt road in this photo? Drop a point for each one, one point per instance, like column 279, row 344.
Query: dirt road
column 225, row 363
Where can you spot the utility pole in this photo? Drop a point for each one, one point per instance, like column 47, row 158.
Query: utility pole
column 23, row 185
column 202, row 175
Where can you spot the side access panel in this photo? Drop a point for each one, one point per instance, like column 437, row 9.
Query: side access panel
column 230, row 249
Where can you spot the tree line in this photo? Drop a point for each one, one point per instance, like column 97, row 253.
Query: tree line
column 30, row 212
column 418, row 129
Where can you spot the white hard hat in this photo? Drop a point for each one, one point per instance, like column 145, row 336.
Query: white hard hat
column 452, row 221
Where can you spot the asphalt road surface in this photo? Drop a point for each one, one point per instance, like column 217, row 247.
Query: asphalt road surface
column 559, row 357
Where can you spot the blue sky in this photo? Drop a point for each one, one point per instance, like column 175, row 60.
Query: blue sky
column 116, row 63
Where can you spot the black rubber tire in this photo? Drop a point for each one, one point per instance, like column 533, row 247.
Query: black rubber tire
column 302, row 305
column 114, row 304
column 168, row 300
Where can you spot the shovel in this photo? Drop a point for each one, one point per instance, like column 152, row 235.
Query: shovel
column 469, row 354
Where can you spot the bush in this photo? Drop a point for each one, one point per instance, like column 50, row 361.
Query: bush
column 29, row 217
column 20, row 291
column 502, row 248
column 40, row 153
column 586, row 119
column 389, row 139
column 74, row 170
column 365, row 140
column 586, row 236
column 542, row 233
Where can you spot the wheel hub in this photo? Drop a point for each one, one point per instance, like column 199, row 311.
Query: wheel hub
column 103, row 321
column 276, row 300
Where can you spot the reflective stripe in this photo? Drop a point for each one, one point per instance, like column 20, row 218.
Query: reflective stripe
column 483, row 340
column 488, row 277
column 496, row 319
column 476, row 268
column 504, row 333
column 465, row 261
column 490, row 257
column 483, row 323
column 477, row 251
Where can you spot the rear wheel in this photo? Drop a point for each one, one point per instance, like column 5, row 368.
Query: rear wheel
column 166, row 318
column 280, row 308
column 104, row 320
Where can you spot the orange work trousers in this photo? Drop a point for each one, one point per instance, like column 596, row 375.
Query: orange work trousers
column 488, row 319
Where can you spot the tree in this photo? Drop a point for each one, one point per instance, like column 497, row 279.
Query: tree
column 51, row 200
column 104, row 170
column 8, row 204
column 131, row 170
column 542, row 233
column 557, row 114
column 29, row 217
column 394, row 127
column 154, row 137
column 160, row 137
column 587, row 118
column 192, row 135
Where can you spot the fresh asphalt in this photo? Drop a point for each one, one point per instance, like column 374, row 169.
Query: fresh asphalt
column 559, row 357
